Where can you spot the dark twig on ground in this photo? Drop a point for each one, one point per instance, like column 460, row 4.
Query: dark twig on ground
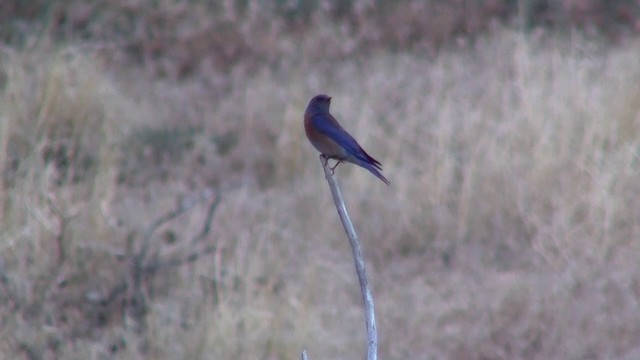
column 143, row 262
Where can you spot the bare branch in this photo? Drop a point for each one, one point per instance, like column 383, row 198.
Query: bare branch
column 372, row 334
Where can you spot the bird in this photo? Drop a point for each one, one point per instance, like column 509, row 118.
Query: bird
column 332, row 141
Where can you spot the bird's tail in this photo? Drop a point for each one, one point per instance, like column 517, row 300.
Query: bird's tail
column 372, row 165
column 375, row 172
column 368, row 162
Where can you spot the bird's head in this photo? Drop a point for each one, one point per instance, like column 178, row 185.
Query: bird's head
column 319, row 103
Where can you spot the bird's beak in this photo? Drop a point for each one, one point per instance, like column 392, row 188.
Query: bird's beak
column 329, row 98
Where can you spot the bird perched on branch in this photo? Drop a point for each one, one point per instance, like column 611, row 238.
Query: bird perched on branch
column 333, row 142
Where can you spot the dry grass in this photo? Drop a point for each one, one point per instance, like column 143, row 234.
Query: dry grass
column 508, row 232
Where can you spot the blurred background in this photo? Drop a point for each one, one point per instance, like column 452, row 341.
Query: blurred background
column 159, row 200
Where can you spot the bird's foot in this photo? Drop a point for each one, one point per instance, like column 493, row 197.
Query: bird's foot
column 333, row 169
column 325, row 161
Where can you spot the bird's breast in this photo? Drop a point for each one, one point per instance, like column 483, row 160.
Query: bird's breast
column 324, row 144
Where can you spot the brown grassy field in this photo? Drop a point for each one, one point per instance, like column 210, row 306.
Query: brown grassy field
column 510, row 229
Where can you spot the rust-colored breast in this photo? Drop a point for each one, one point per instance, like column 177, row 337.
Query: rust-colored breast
column 321, row 142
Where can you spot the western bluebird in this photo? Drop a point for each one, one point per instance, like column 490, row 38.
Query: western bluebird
column 333, row 142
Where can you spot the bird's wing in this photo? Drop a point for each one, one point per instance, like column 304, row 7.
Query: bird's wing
column 329, row 126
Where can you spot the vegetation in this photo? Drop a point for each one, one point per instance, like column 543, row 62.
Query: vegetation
column 158, row 198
